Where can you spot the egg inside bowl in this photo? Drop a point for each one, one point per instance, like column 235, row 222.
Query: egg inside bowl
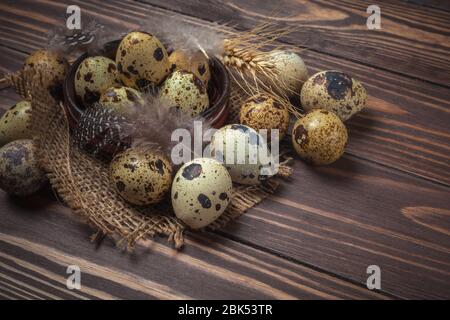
column 218, row 90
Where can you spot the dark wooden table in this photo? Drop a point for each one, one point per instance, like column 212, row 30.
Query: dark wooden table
column 385, row 203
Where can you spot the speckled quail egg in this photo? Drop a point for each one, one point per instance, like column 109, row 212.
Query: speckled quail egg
column 183, row 90
column 263, row 112
column 201, row 192
column 141, row 176
column 14, row 123
column 291, row 70
column 319, row 137
column 94, row 75
column 19, row 171
column 55, row 67
column 243, row 144
column 334, row 91
column 121, row 99
column 142, row 60
column 196, row 63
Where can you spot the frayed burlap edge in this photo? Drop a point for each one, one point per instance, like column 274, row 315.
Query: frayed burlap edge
column 83, row 182
column 17, row 81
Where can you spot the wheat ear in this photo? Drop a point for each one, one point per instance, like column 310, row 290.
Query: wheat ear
column 247, row 55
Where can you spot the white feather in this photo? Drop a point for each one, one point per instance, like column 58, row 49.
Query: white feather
column 186, row 36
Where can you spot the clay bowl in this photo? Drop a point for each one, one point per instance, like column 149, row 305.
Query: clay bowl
column 218, row 90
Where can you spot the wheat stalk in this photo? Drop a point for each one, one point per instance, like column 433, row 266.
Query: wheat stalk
column 248, row 58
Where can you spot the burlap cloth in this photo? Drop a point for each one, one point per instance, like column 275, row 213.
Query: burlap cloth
column 82, row 181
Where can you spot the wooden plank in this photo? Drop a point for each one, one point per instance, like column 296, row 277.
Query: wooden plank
column 405, row 125
column 40, row 276
column 341, row 218
column 11, row 60
column 393, row 240
column 41, row 239
column 438, row 4
column 350, row 215
column 413, row 40
column 8, row 98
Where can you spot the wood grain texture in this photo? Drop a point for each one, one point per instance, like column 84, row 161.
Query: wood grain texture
column 8, row 98
column 437, row 4
column 405, row 125
column 413, row 40
column 350, row 215
column 336, row 219
column 341, row 219
column 11, row 60
column 38, row 241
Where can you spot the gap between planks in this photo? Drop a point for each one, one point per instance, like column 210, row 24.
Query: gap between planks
column 432, row 180
column 398, row 73
column 341, row 58
column 347, row 154
column 313, row 267
column 436, row 5
column 302, row 263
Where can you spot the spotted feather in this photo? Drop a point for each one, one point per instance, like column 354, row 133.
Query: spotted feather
column 100, row 127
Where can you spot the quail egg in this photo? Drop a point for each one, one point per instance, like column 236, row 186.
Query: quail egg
column 201, row 192
column 19, row 171
column 14, row 123
column 142, row 60
column 121, row 99
column 184, row 90
column 263, row 112
column 141, row 176
column 291, row 70
column 94, row 75
column 55, row 67
column 334, row 91
column 238, row 147
column 197, row 64
column 319, row 137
